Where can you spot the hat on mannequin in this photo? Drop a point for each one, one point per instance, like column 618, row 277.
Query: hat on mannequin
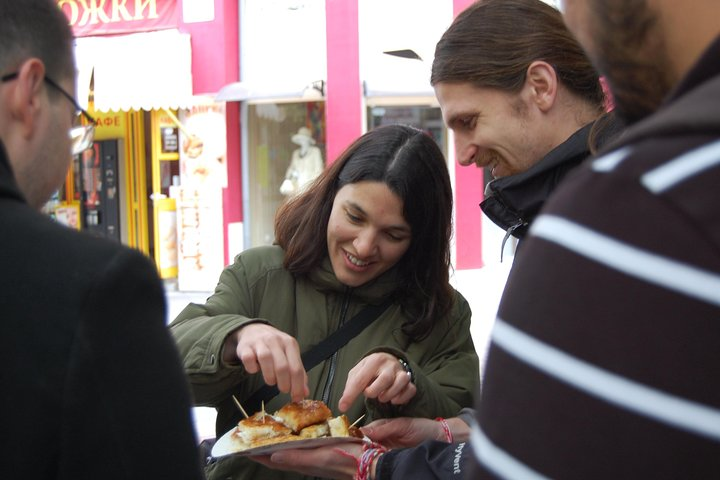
column 303, row 136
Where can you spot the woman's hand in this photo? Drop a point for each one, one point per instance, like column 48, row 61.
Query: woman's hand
column 381, row 376
column 404, row 432
column 263, row 348
column 337, row 461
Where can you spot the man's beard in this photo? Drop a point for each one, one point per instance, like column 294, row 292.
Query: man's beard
column 638, row 90
column 489, row 158
column 639, row 78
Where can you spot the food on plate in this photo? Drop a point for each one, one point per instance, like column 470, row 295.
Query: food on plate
column 315, row 431
column 339, row 426
column 302, row 420
column 260, row 427
column 298, row 415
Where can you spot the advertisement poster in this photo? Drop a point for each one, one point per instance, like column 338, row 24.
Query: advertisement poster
column 166, row 240
column 199, row 237
column 68, row 215
column 203, row 146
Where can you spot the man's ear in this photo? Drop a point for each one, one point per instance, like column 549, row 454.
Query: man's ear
column 26, row 99
column 542, row 83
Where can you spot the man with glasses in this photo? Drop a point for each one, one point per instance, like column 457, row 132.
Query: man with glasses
column 82, row 132
column 91, row 386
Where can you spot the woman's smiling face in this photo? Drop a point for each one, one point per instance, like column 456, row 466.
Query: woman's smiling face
column 367, row 233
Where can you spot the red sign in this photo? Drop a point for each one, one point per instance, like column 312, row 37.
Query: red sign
column 107, row 17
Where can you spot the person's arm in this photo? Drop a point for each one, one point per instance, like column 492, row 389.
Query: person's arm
column 428, row 461
column 127, row 403
column 201, row 331
column 221, row 343
column 447, row 378
column 265, row 349
column 404, row 432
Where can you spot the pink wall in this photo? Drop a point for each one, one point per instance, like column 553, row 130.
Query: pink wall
column 343, row 98
column 468, row 194
column 215, row 55
column 344, row 122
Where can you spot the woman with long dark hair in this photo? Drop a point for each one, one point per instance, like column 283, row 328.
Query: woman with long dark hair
column 373, row 229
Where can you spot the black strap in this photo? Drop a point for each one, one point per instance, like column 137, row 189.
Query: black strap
column 312, row 357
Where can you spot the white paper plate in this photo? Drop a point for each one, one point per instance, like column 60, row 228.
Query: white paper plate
column 229, row 444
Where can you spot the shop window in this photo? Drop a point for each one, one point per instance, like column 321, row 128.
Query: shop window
column 425, row 118
column 285, row 142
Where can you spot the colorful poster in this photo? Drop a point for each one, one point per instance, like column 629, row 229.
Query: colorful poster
column 203, row 146
column 68, row 215
column 199, row 237
column 166, row 239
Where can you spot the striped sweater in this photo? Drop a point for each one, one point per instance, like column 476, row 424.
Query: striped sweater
column 605, row 356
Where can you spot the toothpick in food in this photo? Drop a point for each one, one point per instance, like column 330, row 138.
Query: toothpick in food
column 240, row 406
column 356, row 421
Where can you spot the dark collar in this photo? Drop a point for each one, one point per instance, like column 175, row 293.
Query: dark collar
column 513, row 202
column 8, row 186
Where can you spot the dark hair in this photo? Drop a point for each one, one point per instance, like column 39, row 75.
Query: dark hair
column 411, row 164
column 39, row 29
column 492, row 43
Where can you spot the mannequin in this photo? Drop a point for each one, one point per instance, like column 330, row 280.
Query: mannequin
column 306, row 163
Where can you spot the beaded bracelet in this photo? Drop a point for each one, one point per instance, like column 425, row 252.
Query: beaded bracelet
column 446, row 429
column 371, row 451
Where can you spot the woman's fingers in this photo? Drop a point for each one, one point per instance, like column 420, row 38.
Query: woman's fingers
column 400, row 384
column 379, row 376
column 262, row 348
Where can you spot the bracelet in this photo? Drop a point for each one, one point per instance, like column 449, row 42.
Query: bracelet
column 408, row 370
column 371, row 451
column 446, row 429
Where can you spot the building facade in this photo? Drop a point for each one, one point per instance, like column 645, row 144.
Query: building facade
column 211, row 112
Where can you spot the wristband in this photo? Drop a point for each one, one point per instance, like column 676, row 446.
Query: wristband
column 371, row 451
column 446, row 429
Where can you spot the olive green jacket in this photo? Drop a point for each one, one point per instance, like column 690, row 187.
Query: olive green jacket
column 258, row 288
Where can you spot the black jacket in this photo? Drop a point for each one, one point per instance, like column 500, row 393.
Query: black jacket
column 91, row 385
column 513, row 202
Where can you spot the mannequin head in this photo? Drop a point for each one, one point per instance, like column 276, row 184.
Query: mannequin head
column 303, row 138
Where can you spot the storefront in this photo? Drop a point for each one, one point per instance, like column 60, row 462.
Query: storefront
column 340, row 69
column 163, row 175
column 278, row 72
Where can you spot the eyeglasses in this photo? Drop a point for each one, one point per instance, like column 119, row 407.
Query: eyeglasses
column 81, row 136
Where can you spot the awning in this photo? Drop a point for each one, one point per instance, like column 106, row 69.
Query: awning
column 391, row 75
column 141, row 71
column 288, row 91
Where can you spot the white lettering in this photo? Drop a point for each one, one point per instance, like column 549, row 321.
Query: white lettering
column 94, row 13
column 457, row 470
column 140, row 6
column 120, row 10
column 73, row 9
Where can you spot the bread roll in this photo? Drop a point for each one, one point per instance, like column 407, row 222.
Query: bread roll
column 298, row 415
column 258, row 426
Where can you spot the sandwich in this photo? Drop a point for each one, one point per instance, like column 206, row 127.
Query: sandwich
column 302, row 420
